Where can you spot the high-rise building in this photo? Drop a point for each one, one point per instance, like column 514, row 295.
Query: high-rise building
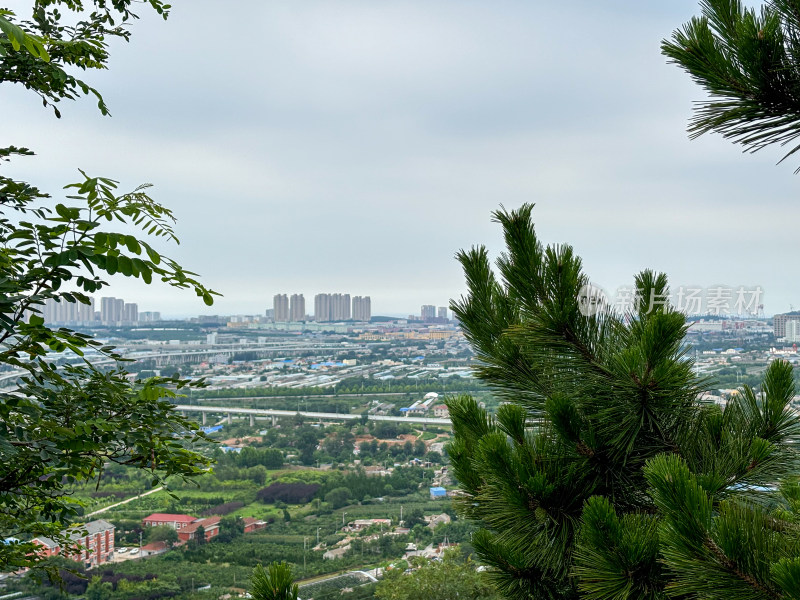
column 130, row 312
column 332, row 307
column 86, row 312
column 793, row 331
column 119, row 309
column 442, row 313
column 149, row 316
column 322, row 307
column 779, row 322
column 428, row 311
column 111, row 310
column 362, row 308
column 297, row 308
column 71, row 313
column 340, row 307
column 280, row 304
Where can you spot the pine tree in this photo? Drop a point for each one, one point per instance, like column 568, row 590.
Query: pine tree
column 749, row 62
column 603, row 474
column 273, row 583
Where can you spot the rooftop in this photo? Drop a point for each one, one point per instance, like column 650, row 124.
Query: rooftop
column 170, row 518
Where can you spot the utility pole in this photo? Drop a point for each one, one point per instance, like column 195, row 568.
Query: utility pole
column 318, row 528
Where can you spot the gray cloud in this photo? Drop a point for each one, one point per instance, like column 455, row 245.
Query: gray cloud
column 355, row 146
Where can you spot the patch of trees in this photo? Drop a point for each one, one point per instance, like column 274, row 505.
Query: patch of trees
column 381, row 451
column 361, row 485
column 291, row 493
column 108, row 494
column 127, row 531
column 230, row 528
column 405, row 385
column 355, row 385
column 385, row 546
column 71, row 578
column 222, row 509
column 271, row 458
column 260, row 391
column 389, row 430
column 306, row 443
column 339, row 445
column 338, row 497
column 162, row 533
column 257, row 475
column 453, row 578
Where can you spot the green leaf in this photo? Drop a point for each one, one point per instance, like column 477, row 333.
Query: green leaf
column 133, row 245
column 111, row 264
column 124, row 265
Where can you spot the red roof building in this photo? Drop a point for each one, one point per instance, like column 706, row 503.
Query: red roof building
column 440, row 411
column 96, row 541
column 153, row 548
column 177, row 522
column 252, row 524
column 210, row 525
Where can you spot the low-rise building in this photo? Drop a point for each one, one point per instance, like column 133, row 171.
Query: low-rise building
column 46, row 546
column 177, row 522
column 92, row 543
column 153, row 548
column 253, row 524
column 438, row 493
column 361, row 524
column 440, row 411
column 435, row 520
column 335, row 553
column 209, row 525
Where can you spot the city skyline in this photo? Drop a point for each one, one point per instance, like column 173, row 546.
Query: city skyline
column 259, row 306
column 288, row 308
column 285, row 307
column 110, row 311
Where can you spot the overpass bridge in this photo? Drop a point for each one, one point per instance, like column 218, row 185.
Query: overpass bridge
column 253, row 413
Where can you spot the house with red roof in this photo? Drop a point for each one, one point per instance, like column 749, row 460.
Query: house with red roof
column 253, row 524
column 154, row 548
column 177, row 522
column 440, row 411
column 210, row 525
column 93, row 543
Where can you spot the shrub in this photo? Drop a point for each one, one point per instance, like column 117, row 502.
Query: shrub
column 222, row 509
column 292, row 493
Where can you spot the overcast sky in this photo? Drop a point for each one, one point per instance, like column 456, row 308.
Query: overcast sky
column 355, row 146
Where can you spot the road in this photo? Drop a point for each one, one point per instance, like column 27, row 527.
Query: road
column 101, row 510
column 269, row 412
column 369, row 576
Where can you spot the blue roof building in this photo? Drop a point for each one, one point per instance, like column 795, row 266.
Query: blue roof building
column 438, row 493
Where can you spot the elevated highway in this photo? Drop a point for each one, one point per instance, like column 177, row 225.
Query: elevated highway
column 318, row 416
